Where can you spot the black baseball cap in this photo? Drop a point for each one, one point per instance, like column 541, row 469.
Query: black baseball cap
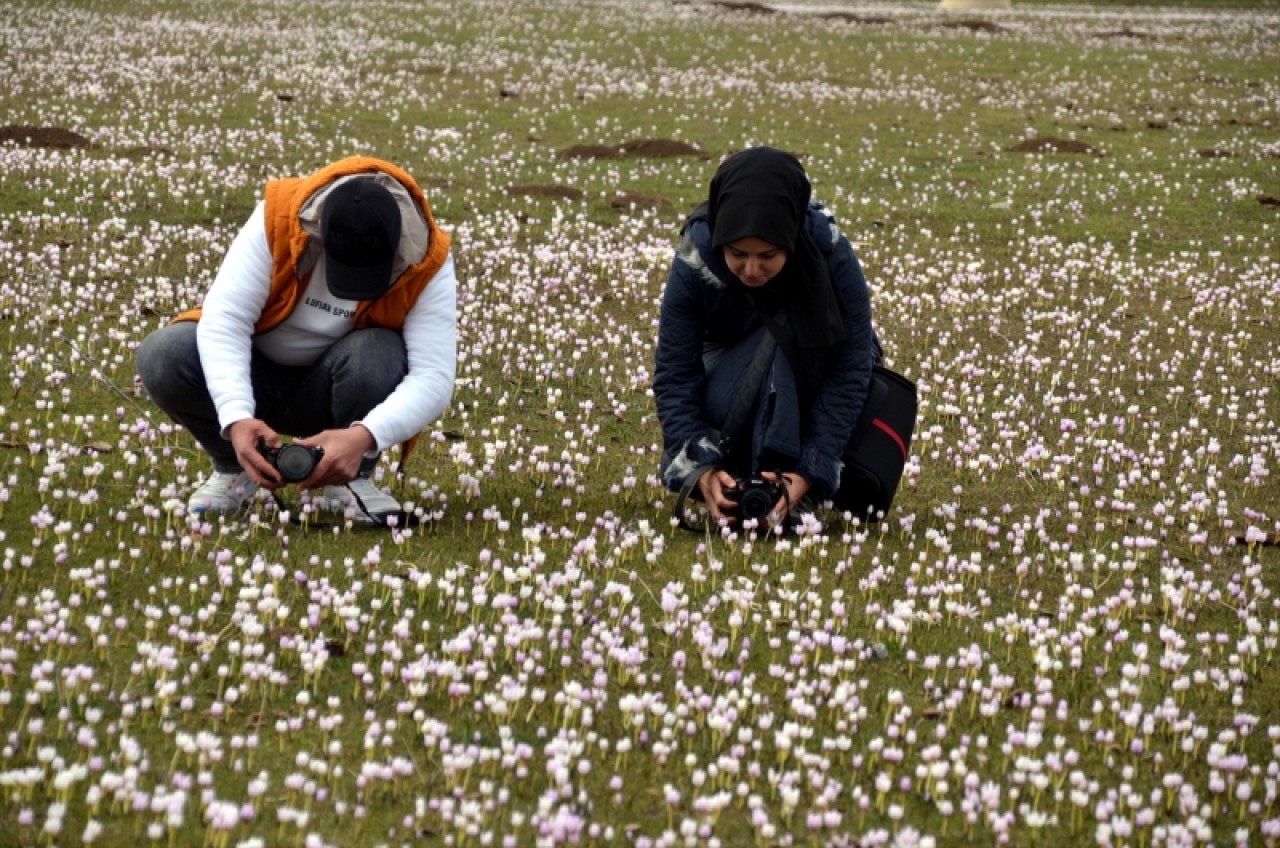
column 361, row 232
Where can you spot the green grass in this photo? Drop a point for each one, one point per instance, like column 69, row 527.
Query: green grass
column 1058, row 606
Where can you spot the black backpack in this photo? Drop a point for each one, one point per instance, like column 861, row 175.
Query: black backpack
column 878, row 449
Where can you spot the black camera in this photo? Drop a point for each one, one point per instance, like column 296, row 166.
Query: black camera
column 755, row 497
column 293, row 461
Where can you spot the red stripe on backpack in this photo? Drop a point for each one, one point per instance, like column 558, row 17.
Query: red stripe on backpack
column 896, row 438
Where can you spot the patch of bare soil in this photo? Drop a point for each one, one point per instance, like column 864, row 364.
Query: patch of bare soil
column 1215, row 153
column 590, row 151
column 625, row 200
column 652, row 148
column 850, row 17
column 974, row 26
column 656, row 148
column 752, row 8
column 58, row 137
column 1125, row 33
column 544, row 191
column 1048, row 144
column 1268, row 200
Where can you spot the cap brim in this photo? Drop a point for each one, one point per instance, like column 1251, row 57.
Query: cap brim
column 351, row 282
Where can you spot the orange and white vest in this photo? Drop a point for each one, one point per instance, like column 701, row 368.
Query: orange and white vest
column 292, row 263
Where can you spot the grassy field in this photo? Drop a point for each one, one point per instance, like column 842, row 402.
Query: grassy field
column 1063, row 634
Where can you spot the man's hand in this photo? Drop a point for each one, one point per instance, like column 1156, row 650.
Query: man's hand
column 246, row 436
column 713, row 484
column 344, row 450
column 797, row 487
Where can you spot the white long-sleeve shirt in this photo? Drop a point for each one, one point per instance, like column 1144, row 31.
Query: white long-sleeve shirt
column 225, row 338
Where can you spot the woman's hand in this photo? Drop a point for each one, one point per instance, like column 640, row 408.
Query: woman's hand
column 713, row 485
column 797, row 487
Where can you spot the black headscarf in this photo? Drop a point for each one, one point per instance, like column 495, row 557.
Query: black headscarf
column 764, row 193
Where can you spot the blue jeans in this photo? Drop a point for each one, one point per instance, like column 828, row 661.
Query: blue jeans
column 352, row 377
column 773, row 442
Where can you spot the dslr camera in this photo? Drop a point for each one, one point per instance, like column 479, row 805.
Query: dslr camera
column 755, row 497
column 294, row 462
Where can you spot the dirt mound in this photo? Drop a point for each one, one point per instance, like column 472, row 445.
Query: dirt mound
column 1215, row 153
column 1125, row 33
column 43, row 137
column 852, row 18
column 1047, row 144
column 656, row 148
column 752, row 8
column 544, row 191
column 974, row 26
column 625, row 200
column 652, row 148
column 590, row 151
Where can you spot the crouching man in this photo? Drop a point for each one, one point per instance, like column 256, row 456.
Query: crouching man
column 333, row 320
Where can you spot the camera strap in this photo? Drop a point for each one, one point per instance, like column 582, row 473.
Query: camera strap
column 736, row 421
column 398, row 519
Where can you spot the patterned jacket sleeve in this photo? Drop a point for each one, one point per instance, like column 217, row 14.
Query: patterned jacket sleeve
column 677, row 378
column 847, row 377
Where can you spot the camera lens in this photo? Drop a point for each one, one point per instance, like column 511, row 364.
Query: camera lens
column 755, row 502
column 295, row 463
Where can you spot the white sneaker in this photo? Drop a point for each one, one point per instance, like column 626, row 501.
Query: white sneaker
column 222, row 492
column 373, row 504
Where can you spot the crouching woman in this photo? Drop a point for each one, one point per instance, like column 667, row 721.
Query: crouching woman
column 765, row 309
